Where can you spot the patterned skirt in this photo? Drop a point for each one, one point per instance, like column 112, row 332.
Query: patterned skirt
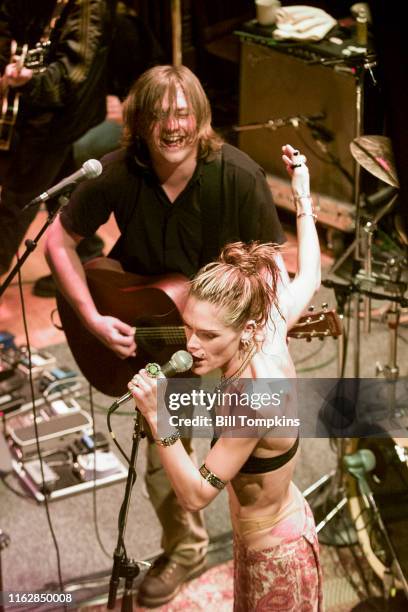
column 283, row 578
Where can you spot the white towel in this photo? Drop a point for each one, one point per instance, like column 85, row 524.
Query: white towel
column 302, row 23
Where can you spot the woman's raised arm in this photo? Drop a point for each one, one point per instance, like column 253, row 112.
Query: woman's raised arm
column 298, row 294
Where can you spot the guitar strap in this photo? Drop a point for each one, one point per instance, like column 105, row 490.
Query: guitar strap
column 211, row 209
column 58, row 8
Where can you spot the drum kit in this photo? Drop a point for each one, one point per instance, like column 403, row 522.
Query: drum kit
column 371, row 477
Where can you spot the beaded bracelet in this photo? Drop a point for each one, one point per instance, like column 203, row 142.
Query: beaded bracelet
column 307, row 214
column 304, row 213
column 211, row 478
column 168, row 440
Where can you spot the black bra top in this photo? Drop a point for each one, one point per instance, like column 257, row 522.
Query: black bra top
column 261, row 465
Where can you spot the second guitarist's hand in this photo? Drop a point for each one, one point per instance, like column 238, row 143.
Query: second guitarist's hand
column 16, row 76
column 115, row 334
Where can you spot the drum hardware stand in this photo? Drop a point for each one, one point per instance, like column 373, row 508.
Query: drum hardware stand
column 342, row 533
column 371, row 504
column 357, row 286
column 360, row 285
column 360, row 64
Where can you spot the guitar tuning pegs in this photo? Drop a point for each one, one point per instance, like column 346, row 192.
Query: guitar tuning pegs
column 311, row 308
column 325, row 305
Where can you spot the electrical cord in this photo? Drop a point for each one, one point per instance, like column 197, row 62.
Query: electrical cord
column 113, row 436
column 309, row 356
column 332, row 161
column 13, row 490
column 62, row 387
column 319, row 366
column 37, row 441
column 94, row 500
column 104, row 409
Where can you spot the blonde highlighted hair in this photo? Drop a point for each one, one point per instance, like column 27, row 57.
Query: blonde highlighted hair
column 243, row 282
column 143, row 106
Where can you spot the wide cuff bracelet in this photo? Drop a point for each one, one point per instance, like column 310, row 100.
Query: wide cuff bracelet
column 211, row 478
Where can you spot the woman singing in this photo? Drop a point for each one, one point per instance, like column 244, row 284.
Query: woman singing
column 236, row 320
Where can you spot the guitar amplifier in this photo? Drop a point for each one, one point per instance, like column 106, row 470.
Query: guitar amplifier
column 59, row 428
column 281, row 80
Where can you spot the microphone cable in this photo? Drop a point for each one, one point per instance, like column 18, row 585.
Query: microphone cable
column 37, row 441
column 94, row 488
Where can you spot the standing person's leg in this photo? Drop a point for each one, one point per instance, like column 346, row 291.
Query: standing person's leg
column 32, row 171
column 184, row 537
column 98, row 141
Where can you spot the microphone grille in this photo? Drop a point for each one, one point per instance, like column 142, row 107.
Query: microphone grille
column 92, row 168
column 182, row 361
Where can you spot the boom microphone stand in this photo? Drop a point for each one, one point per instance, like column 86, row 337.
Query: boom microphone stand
column 31, row 245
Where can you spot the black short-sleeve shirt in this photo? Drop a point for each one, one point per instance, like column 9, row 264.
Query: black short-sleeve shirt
column 158, row 236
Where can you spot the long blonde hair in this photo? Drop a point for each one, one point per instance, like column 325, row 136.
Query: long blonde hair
column 144, row 104
column 243, row 282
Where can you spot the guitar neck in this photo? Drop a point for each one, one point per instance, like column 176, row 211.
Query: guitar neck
column 167, row 334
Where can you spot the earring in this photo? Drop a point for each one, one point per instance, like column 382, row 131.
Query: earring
column 246, row 343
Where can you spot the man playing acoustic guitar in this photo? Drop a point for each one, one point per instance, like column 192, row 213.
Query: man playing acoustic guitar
column 178, row 194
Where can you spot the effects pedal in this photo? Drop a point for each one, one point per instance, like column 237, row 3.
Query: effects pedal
column 40, row 360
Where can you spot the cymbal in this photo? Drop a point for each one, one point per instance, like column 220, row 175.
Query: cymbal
column 374, row 154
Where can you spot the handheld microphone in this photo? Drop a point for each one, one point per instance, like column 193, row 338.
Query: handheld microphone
column 181, row 361
column 90, row 169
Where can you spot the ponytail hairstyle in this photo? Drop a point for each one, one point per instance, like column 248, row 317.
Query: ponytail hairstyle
column 243, row 282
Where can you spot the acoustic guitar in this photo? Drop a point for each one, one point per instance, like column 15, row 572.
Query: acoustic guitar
column 153, row 305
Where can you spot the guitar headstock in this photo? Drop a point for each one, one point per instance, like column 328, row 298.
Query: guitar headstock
column 18, row 54
column 321, row 324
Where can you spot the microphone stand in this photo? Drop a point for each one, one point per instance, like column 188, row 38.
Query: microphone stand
column 123, row 567
column 31, row 245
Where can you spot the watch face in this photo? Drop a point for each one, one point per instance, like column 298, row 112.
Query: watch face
column 153, row 369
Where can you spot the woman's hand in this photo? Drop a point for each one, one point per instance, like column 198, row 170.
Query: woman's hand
column 147, row 394
column 297, row 170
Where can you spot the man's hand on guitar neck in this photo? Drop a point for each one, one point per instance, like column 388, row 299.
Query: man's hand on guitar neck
column 115, row 334
column 16, row 75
